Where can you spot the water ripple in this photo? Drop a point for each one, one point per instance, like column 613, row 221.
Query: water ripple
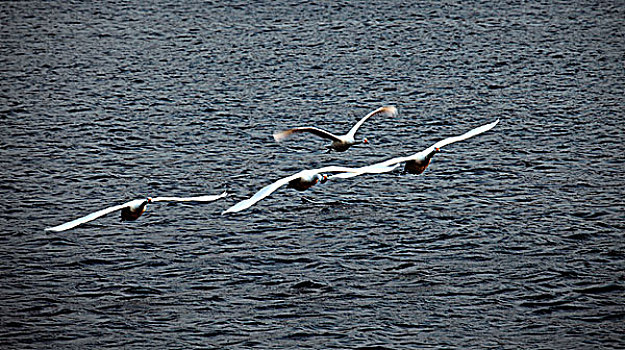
column 519, row 229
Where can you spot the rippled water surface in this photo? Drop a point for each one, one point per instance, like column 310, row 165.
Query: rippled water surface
column 513, row 239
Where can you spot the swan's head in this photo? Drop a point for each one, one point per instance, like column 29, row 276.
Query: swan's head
column 323, row 178
column 426, row 157
column 365, row 141
column 149, row 199
column 320, row 179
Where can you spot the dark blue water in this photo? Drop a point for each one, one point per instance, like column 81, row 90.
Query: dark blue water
column 513, row 239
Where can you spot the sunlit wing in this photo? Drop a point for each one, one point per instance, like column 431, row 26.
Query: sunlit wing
column 309, row 129
column 264, row 192
column 439, row 144
column 92, row 216
column 465, row 136
column 377, row 168
column 269, row 189
column 396, row 161
column 391, row 164
column 333, row 169
column 190, row 199
column 387, row 110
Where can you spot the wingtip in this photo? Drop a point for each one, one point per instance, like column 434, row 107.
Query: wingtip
column 279, row 136
column 391, row 110
column 229, row 210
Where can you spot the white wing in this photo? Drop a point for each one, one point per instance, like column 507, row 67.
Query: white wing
column 269, row 189
column 397, row 160
column 92, row 216
column 377, row 168
column 389, row 165
column 465, row 136
column 333, row 169
column 388, row 110
column 279, row 136
column 264, row 192
column 190, row 199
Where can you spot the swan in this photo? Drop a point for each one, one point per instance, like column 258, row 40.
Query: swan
column 132, row 210
column 418, row 162
column 301, row 181
column 340, row 143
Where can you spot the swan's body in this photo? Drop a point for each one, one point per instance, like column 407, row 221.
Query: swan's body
column 417, row 165
column 132, row 210
column 300, row 181
column 340, row 143
column 306, row 181
column 418, row 162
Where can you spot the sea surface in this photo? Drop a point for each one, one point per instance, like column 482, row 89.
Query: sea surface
column 512, row 239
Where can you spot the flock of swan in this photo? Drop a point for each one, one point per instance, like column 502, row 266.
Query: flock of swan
column 303, row 180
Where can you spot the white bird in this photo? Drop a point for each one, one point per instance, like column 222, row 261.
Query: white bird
column 300, row 181
column 132, row 210
column 418, row 162
column 340, row 143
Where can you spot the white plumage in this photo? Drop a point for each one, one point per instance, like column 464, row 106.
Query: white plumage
column 131, row 210
column 300, row 181
column 416, row 163
column 340, row 143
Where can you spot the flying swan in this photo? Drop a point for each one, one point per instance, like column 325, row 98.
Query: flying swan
column 132, row 210
column 340, row 143
column 418, row 162
column 301, row 181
